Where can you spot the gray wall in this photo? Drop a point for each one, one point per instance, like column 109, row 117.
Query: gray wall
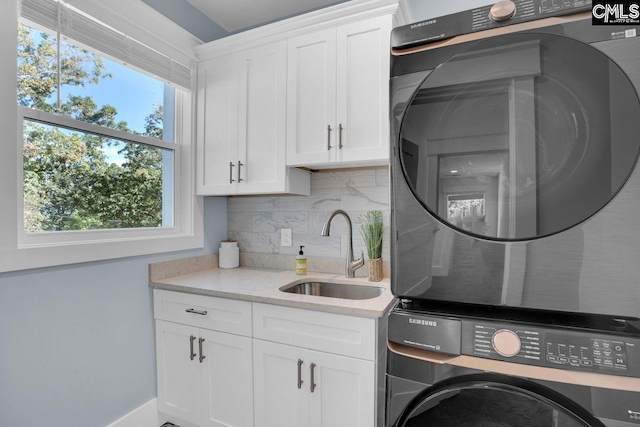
column 255, row 222
column 77, row 345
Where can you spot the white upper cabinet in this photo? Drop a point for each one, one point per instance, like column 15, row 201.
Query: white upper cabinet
column 311, row 98
column 338, row 95
column 309, row 91
column 241, row 125
column 217, row 126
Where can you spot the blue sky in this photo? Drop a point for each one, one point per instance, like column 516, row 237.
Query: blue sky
column 133, row 94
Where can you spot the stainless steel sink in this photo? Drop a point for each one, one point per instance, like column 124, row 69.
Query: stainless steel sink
column 334, row 290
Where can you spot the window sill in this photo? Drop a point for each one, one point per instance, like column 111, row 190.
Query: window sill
column 47, row 255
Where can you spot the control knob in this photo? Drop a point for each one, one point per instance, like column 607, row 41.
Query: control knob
column 502, row 10
column 506, row 342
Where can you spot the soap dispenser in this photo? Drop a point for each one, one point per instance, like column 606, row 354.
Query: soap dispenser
column 301, row 263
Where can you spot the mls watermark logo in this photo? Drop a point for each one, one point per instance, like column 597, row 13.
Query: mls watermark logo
column 615, row 12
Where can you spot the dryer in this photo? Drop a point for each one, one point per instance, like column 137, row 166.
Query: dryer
column 513, row 165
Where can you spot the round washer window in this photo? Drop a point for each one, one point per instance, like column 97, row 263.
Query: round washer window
column 487, row 404
column 520, row 136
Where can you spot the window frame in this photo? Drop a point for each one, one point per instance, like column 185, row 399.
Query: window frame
column 21, row 250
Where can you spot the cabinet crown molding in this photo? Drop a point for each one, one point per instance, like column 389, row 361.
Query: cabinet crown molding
column 354, row 10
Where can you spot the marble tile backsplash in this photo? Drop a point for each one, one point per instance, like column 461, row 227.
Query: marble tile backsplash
column 255, row 221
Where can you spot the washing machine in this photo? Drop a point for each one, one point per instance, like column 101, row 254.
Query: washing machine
column 449, row 366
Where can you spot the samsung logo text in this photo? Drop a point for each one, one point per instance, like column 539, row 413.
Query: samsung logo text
column 423, row 322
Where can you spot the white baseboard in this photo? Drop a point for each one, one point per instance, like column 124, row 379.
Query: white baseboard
column 143, row 416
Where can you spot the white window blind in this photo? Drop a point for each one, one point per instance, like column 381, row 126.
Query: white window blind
column 85, row 30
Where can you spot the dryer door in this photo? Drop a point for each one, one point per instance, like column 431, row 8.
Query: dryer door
column 487, row 400
column 520, row 136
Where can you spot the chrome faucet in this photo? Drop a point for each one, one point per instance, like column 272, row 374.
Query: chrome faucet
column 351, row 265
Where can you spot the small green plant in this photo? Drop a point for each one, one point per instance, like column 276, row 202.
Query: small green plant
column 372, row 229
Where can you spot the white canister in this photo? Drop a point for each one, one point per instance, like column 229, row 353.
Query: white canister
column 229, row 254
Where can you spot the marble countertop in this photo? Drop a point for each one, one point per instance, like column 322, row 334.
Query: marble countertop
column 263, row 285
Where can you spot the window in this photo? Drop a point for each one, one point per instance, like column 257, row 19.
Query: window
column 112, row 173
column 466, row 211
column 104, row 134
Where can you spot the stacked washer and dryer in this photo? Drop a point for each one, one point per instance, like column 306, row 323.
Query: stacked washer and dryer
column 515, row 219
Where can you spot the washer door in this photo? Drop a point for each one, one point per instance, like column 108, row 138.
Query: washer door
column 493, row 401
column 520, row 136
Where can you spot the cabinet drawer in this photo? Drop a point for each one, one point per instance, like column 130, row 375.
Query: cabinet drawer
column 224, row 315
column 328, row 332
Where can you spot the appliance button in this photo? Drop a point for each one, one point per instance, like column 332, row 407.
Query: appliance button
column 586, row 362
column 574, row 362
column 552, row 358
column 618, row 348
column 506, row 342
column 502, row 10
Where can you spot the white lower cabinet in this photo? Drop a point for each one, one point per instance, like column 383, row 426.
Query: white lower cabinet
column 296, row 387
column 300, row 381
column 204, row 377
column 224, row 362
column 280, row 399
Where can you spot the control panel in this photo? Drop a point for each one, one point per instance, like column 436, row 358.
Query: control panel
column 596, row 351
column 500, row 14
column 570, row 349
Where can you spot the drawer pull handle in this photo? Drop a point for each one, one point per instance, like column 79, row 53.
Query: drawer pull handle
column 340, row 136
column 231, row 166
column 201, row 313
column 299, row 373
column 313, row 380
column 328, row 137
column 191, row 353
column 239, row 167
column 202, row 356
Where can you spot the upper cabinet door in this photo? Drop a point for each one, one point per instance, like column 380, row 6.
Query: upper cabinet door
column 311, row 91
column 217, row 126
column 363, row 90
column 261, row 164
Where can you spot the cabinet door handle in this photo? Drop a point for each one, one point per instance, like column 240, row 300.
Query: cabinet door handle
column 239, row 166
column 300, row 373
column 328, row 137
column 313, row 380
column 201, row 313
column 340, row 136
column 191, row 353
column 202, row 356
column 231, row 165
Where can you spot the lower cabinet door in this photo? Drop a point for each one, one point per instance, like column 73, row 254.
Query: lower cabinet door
column 227, row 379
column 281, row 385
column 179, row 380
column 344, row 392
